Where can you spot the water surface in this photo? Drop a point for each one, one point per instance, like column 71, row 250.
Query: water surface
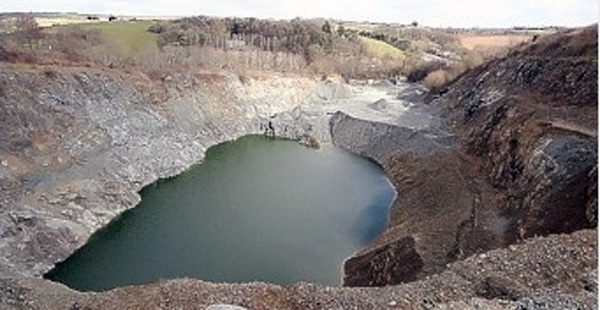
column 255, row 210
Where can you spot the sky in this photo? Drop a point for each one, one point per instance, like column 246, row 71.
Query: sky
column 435, row 13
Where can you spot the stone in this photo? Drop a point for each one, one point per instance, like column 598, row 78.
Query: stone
column 225, row 307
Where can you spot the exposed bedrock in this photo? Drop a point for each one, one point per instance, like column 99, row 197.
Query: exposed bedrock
column 78, row 144
column 435, row 194
column 523, row 162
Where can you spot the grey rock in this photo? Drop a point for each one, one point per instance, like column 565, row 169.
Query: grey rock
column 224, row 307
column 548, row 301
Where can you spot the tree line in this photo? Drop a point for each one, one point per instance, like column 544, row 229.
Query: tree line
column 309, row 38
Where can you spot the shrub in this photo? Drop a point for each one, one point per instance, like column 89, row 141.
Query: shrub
column 419, row 71
column 27, row 30
column 436, row 79
column 75, row 43
column 11, row 53
column 310, row 141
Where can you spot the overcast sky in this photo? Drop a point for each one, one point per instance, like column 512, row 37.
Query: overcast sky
column 455, row 13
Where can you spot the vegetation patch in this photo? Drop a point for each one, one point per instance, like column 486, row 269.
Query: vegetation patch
column 129, row 37
column 382, row 49
column 314, row 46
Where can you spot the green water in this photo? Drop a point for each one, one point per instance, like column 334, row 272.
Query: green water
column 254, row 210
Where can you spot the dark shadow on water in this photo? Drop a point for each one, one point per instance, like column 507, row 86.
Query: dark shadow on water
column 371, row 223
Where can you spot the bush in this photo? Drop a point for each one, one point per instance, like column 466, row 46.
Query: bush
column 11, row 53
column 419, row 71
column 310, row 141
column 440, row 77
column 27, row 30
column 75, row 43
column 436, row 79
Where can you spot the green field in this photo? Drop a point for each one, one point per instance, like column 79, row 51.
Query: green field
column 129, row 37
column 381, row 49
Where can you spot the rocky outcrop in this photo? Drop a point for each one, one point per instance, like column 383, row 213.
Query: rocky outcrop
column 532, row 119
column 81, row 142
column 380, row 141
column 381, row 264
column 435, row 193
column 78, row 144
column 524, row 162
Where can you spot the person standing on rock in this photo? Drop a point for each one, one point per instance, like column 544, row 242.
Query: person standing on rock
column 271, row 129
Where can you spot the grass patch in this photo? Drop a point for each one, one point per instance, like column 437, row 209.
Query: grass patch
column 381, row 49
column 128, row 37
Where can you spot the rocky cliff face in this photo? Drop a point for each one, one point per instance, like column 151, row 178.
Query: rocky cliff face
column 524, row 162
column 532, row 121
column 78, row 145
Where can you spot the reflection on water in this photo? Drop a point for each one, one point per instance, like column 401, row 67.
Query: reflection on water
column 254, row 210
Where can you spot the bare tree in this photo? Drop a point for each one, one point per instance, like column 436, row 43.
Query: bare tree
column 28, row 30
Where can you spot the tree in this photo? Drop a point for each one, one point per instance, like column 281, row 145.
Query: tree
column 341, row 31
column 326, row 27
column 28, row 30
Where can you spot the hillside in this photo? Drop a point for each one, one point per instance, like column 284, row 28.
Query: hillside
column 524, row 163
column 309, row 46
